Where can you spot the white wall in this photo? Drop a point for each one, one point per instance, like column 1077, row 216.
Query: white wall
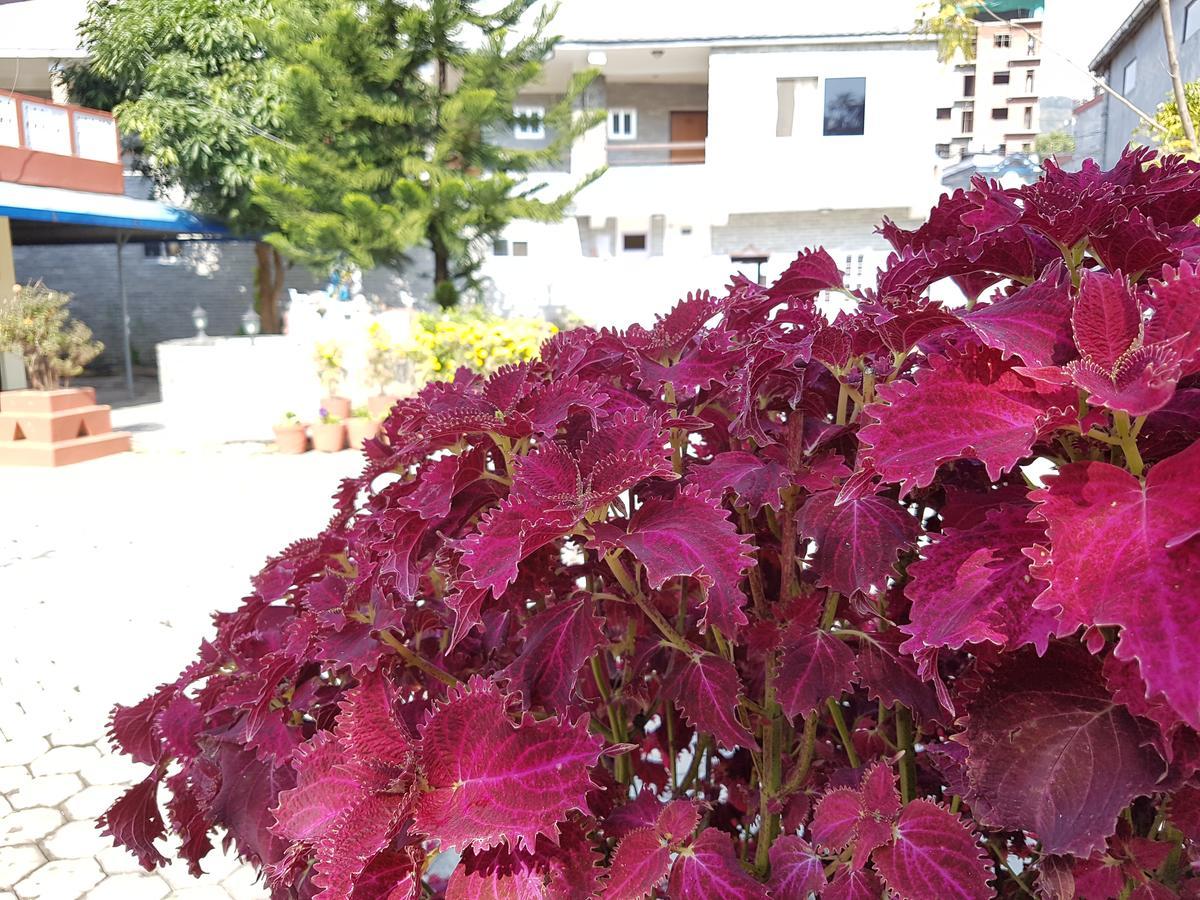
column 892, row 164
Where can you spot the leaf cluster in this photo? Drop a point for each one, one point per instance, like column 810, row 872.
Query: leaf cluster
column 36, row 325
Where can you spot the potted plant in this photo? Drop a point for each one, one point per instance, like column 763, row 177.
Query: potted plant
column 291, row 435
column 329, row 433
column 361, row 427
column 52, row 424
column 383, row 360
column 332, row 373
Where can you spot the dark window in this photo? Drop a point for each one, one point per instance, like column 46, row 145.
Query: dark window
column 161, row 249
column 1000, row 112
column 968, row 85
column 943, row 112
column 633, row 242
column 1003, row 40
column 1191, row 20
column 968, row 121
column 520, row 248
column 1029, row 81
column 943, row 150
column 845, row 105
column 1000, row 78
column 1028, row 117
column 500, row 247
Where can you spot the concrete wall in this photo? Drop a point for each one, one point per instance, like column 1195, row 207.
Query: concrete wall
column 654, row 103
column 162, row 292
column 506, row 138
column 1153, row 79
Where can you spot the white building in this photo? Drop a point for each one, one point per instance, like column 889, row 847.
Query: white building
column 729, row 136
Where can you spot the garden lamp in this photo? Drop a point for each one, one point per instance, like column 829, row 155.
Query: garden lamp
column 200, row 320
column 251, row 323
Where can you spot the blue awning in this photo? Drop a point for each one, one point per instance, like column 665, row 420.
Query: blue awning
column 55, row 215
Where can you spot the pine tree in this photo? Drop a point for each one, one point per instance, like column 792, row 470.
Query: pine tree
column 392, row 110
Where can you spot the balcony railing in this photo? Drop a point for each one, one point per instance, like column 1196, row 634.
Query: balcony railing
column 57, row 145
column 666, row 153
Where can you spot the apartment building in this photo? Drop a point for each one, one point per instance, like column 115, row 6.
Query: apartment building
column 992, row 106
column 731, row 142
column 1134, row 62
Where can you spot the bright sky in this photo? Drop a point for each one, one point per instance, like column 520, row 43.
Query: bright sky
column 1077, row 29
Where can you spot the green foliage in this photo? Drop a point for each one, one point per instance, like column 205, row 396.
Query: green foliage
column 1053, row 142
column 393, row 113
column 1167, row 115
column 472, row 337
column 953, row 24
column 35, row 324
column 190, row 79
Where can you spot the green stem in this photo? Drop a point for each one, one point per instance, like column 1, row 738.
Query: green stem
column 419, row 662
column 904, row 742
column 839, row 721
column 626, row 581
column 1128, row 439
column 808, row 746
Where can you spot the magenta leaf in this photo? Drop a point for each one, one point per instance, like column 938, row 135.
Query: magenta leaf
column 324, row 788
column 854, row 884
column 558, row 641
column 706, row 691
column 690, row 535
column 1034, row 323
column 710, row 868
column 755, row 482
column 1081, row 758
column 641, row 861
column 796, row 869
column 973, row 586
column 967, row 405
column 369, row 727
column 815, row 666
column 1107, row 320
column 857, row 540
column 492, row 779
column 934, row 854
column 836, row 818
column 135, row 823
column 1122, row 553
column 811, row 272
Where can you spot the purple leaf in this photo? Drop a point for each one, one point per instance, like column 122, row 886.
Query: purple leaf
column 796, row 869
column 558, row 641
column 1034, row 323
column 710, row 868
column 815, row 666
column 135, row 823
column 706, row 691
column 934, row 854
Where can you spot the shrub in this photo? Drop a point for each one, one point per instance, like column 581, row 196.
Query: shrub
column 384, row 358
column 752, row 603
column 35, row 324
column 472, row 338
column 327, row 356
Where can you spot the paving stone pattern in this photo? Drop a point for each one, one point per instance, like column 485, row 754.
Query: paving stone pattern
column 101, row 606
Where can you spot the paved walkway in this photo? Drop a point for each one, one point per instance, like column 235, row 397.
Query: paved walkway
column 109, row 572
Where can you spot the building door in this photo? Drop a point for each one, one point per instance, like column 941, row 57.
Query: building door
column 690, row 127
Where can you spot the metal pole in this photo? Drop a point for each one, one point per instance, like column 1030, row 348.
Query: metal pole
column 122, row 238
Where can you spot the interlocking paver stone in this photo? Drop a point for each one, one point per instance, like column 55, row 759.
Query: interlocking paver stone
column 22, row 751
column 205, row 892
column 61, row 760
column 28, row 825
column 143, row 886
column 48, row 790
column 76, row 840
column 92, row 801
column 112, row 769
column 12, row 777
column 60, row 879
column 17, row 862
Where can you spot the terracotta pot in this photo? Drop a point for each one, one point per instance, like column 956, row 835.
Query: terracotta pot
column 291, row 438
column 329, row 438
column 379, row 405
column 360, row 429
column 338, row 407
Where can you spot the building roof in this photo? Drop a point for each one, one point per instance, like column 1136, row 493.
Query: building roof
column 1132, row 24
column 44, row 215
column 710, row 21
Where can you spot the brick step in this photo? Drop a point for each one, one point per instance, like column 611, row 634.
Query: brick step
column 64, row 453
column 51, row 427
column 46, row 401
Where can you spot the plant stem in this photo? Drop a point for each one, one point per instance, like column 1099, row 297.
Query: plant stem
column 419, row 662
column 904, row 741
column 808, row 746
column 694, row 767
column 1128, row 438
column 626, row 581
column 770, row 768
column 839, row 722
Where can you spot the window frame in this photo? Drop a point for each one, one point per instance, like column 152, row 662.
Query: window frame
column 1191, row 20
column 1002, row 40
column 825, row 132
column 949, row 113
column 1126, row 86
column 644, row 235
column 523, row 132
column 1003, row 77
column 999, row 109
column 631, row 112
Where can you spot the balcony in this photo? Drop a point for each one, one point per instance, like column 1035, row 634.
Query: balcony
column 48, row 144
column 621, row 153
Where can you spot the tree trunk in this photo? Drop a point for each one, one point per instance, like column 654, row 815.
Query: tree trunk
column 269, row 278
column 1185, row 114
column 445, row 292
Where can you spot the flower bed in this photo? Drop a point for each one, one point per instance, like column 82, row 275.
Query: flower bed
column 752, row 603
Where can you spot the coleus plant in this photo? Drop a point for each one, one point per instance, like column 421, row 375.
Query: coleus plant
column 757, row 602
